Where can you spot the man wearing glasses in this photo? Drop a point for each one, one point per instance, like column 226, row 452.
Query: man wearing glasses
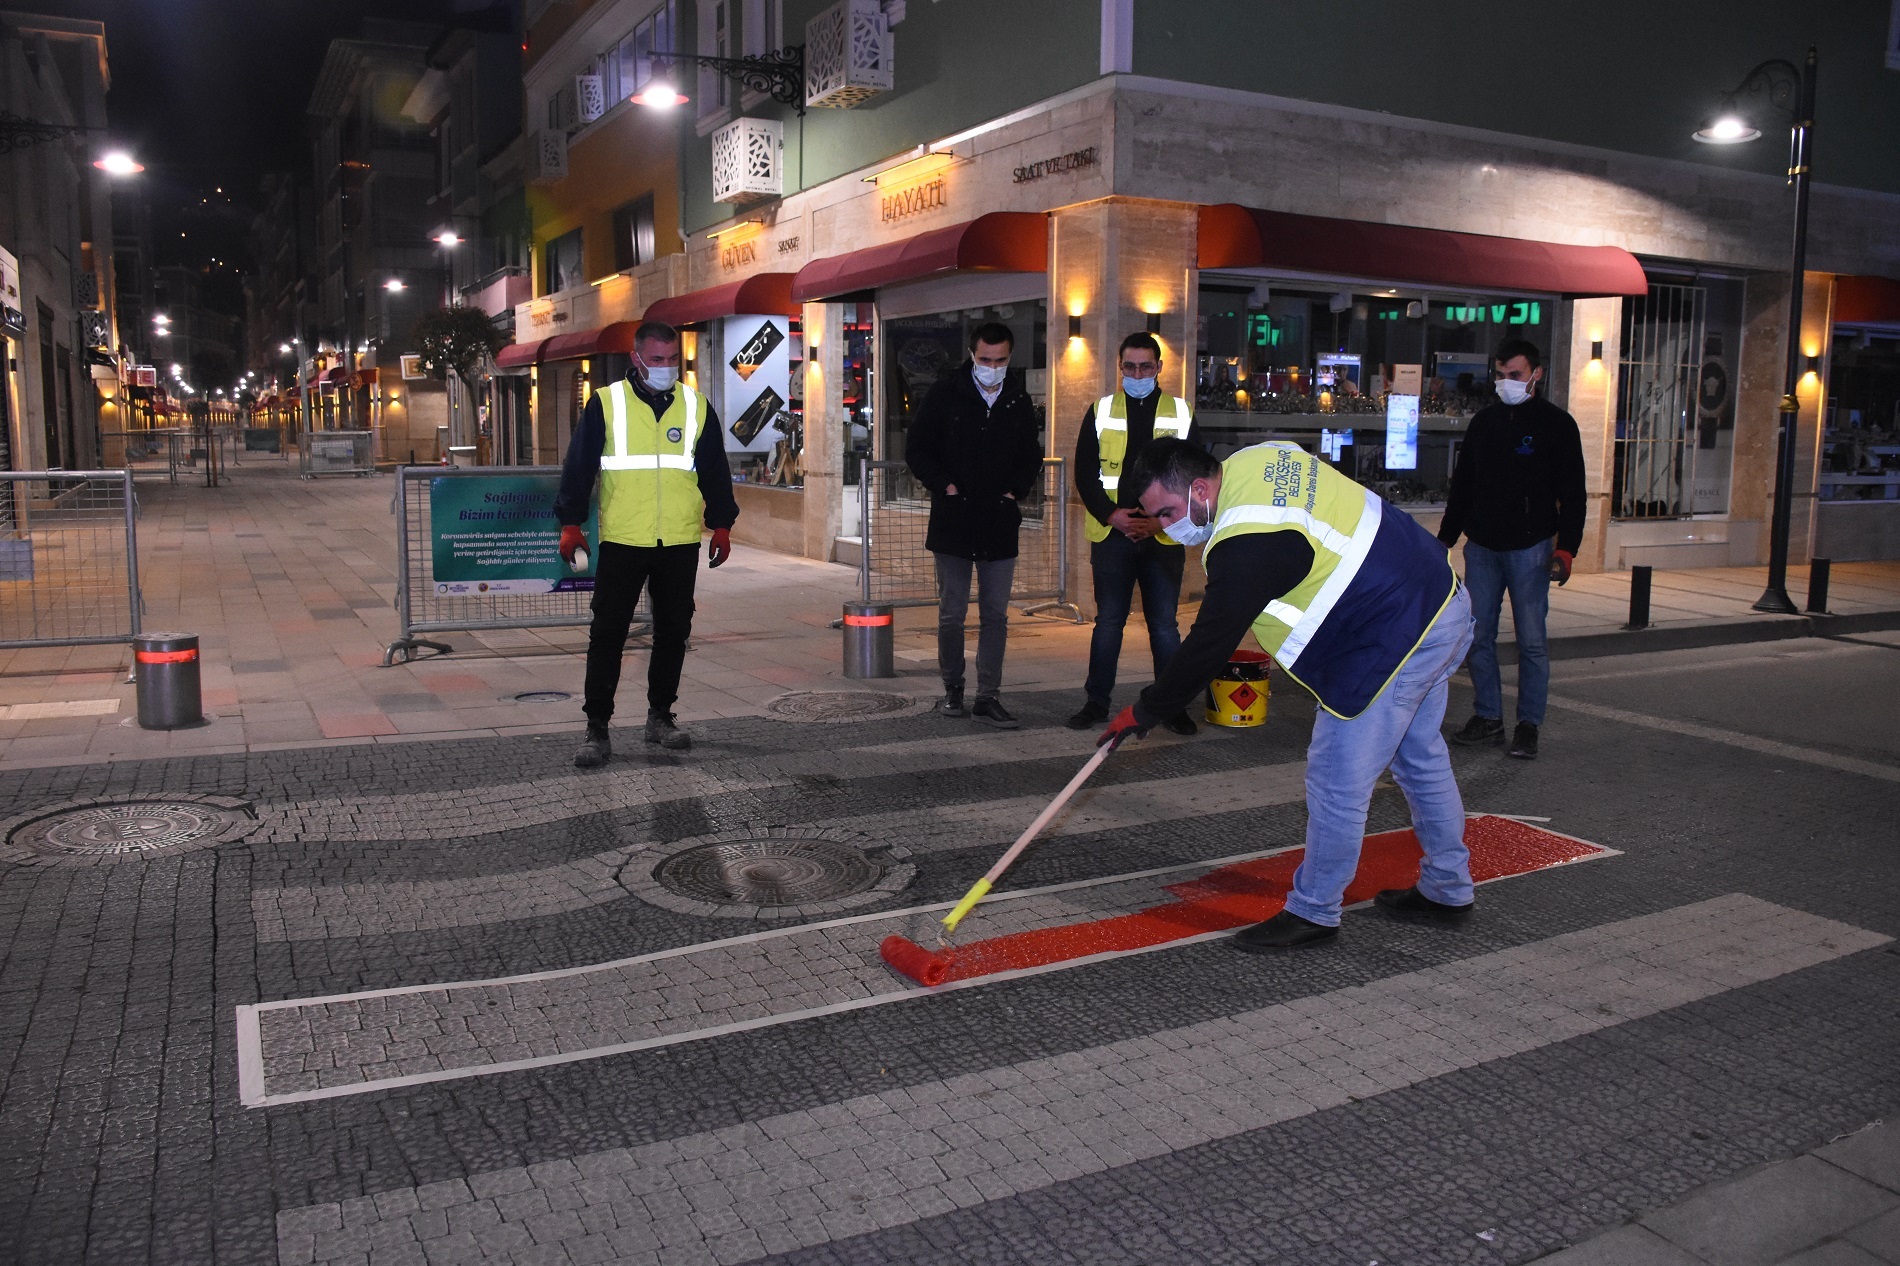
column 1126, row 547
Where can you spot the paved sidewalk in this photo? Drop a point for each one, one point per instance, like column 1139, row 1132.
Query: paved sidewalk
column 290, row 585
column 1838, row 1205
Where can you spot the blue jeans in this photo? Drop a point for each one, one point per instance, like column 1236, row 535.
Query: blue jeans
column 1525, row 573
column 1399, row 730
column 993, row 580
column 1120, row 564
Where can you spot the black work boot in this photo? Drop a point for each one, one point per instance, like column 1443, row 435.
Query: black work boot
column 595, row 749
column 661, row 730
column 1480, row 730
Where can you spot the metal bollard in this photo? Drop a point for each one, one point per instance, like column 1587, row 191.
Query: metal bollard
column 166, row 669
column 867, row 640
column 1818, row 569
column 1639, row 598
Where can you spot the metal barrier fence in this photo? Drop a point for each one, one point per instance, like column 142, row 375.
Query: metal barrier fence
column 335, row 453
column 69, row 558
column 426, row 605
column 894, row 568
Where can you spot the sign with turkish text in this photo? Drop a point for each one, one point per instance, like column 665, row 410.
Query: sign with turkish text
column 497, row 534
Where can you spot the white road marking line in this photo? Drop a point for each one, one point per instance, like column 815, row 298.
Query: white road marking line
column 929, row 1147
column 58, row 708
column 1767, row 747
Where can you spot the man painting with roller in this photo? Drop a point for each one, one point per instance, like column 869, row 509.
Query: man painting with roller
column 1358, row 604
column 654, row 446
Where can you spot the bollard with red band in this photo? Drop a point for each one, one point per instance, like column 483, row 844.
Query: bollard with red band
column 165, row 665
column 867, row 640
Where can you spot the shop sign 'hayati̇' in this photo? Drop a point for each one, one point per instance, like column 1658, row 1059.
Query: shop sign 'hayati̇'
column 904, row 203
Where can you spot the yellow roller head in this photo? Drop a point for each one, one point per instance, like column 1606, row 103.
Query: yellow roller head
column 978, row 891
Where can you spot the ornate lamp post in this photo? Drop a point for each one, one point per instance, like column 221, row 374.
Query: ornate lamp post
column 1789, row 87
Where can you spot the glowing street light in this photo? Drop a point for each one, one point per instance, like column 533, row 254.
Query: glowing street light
column 449, row 237
column 394, row 284
column 283, row 349
column 118, row 163
column 660, row 95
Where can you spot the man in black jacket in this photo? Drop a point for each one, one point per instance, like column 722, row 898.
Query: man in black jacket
column 973, row 444
column 1518, row 484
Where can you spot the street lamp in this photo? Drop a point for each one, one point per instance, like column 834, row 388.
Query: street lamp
column 118, row 163
column 394, row 284
column 1789, row 87
column 781, row 73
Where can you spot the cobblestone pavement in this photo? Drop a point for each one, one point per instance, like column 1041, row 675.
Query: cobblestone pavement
column 1600, row 1041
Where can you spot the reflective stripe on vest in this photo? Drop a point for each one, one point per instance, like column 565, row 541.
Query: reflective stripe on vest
column 649, row 486
column 1349, row 554
column 1111, row 418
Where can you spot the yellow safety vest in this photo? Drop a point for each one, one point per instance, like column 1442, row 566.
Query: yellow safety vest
column 1376, row 573
column 649, row 489
column 1172, row 418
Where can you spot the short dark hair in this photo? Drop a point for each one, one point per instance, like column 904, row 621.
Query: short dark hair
column 1172, row 463
column 655, row 332
column 1142, row 339
column 1514, row 347
column 993, row 333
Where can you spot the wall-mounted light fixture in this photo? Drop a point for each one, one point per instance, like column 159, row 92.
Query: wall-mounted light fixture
column 1814, row 366
column 1596, row 349
column 1154, row 323
column 1075, row 325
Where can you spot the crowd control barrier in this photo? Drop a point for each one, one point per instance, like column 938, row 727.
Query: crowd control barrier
column 335, row 453
column 476, row 549
column 69, row 558
column 895, row 569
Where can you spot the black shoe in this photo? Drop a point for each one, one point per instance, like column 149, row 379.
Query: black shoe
column 595, row 749
column 1092, row 714
column 1410, row 903
column 1180, row 723
column 1285, row 930
column 1523, row 742
column 992, row 713
column 952, row 705
column 1480, row 730
column 661, row 730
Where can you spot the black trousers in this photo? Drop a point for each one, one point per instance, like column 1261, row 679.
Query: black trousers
column 668, row 572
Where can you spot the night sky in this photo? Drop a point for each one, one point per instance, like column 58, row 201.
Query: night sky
column 210, row 95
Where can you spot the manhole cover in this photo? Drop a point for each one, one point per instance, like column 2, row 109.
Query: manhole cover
column 773, row 872
column 839, row 705
column 132, row 828
column 543, row 696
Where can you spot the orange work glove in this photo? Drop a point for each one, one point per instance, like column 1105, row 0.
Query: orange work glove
column 721, row 548
column 572, row 538
column 1123, row 726
column 1560, row 562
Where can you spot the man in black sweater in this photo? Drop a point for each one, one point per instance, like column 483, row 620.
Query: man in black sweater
column 973, row 444
column 1518, row 485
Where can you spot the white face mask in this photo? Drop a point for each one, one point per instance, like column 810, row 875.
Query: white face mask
column 1185, row 530
column 660, row 377
column 1511, row 391
column 989, row 377
column 1137, row 388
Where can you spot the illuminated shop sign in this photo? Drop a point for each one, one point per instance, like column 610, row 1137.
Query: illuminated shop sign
column 917, row 199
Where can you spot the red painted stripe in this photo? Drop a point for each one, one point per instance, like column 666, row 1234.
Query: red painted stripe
column 1247, row 892
column 859, row 621
column 166, row 657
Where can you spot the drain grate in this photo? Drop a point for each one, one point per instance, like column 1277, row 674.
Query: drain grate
column 543, row 696
column 129, row 829
column 772, row 872
column 840, row 705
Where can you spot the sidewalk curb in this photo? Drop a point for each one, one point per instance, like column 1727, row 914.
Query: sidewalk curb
column 1734, row 633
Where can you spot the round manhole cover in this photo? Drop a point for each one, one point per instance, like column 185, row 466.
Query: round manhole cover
column 543, row 696
column 839, row 705
column 769, row 873
column 133, row 828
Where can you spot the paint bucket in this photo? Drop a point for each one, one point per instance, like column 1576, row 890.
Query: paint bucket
column 1237, row 698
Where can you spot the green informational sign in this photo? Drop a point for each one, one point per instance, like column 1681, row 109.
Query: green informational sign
column 497, row 534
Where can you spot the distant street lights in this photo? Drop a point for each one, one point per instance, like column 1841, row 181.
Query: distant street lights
column 1789, row 88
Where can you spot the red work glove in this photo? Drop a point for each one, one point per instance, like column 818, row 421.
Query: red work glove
column 572, row 538
column 1123, row 726
column 721, row 548
column 1560, row 562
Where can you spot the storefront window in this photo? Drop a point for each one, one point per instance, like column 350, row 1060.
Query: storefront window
column 923, row 350
column 1675, row 404
column 752, row 371
column 859, row 382
column 1322, row 369
column 1860, row 444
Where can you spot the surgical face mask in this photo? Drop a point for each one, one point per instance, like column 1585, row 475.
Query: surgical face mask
column 1185, row 530
column 1511, row 391
column 1137, row 388
column 660, row 377
column 989, row 377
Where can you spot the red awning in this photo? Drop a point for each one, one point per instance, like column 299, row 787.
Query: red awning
column 617, row 337
column 519, row 355
column 338, row 374
column 1245, row 237
column 768, row 294
column 1867, row 301
column 1000, row 242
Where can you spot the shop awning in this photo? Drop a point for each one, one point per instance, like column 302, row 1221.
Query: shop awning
column 1233, row 236
column 1867, row 301
column 337, row 375
column 1000, row 242
column 768, row 294
column 617, row 337
column 519, row 355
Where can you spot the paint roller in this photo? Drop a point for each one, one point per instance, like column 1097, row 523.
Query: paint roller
column 932, row 967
